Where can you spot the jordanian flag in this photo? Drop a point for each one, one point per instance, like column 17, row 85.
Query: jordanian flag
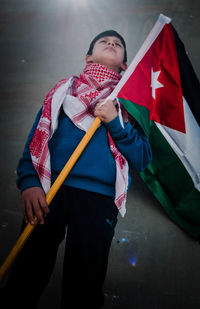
column 160, row 90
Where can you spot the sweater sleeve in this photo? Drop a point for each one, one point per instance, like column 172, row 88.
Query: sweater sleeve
column 27, row 175
column 132, row 143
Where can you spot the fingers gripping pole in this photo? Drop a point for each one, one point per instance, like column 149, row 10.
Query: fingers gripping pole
column 50, row 195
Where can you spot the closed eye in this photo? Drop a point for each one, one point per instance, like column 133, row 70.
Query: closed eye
column 103, row 41
column 118, row 44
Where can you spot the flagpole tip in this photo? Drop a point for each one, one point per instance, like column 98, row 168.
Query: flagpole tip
column 164, row 19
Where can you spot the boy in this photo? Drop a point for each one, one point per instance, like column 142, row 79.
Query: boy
column 92, row 195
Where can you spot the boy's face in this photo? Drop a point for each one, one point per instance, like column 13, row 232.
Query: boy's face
column 108, row 51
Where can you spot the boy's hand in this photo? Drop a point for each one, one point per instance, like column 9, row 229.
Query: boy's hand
column 106, row 112
column 34, row 204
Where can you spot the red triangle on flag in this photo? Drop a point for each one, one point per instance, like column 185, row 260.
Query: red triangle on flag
column 156, row 84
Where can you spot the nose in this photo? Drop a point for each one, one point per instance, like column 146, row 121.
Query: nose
column 111, row 43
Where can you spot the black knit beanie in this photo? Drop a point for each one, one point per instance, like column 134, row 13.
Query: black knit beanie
column 108, row 33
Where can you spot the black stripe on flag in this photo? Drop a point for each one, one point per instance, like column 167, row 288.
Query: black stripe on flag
column 189, row 81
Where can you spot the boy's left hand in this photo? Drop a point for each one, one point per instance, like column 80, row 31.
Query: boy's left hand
column 106, row 112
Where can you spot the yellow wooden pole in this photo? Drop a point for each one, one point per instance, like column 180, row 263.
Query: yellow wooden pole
column 50, row 195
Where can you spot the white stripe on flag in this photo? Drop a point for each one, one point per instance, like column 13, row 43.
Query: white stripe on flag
column 186, row 146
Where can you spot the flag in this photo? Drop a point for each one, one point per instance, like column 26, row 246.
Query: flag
column 161, row 91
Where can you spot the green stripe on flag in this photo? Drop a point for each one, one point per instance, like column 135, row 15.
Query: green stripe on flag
column 171, row 184
column 141, row 114
column 166, row 176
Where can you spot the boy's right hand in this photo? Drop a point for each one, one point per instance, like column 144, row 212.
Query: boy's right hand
column 34, row 204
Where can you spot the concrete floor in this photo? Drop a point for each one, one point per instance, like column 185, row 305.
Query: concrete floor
column 153, row 263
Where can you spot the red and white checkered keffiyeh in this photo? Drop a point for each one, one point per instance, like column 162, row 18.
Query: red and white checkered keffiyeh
column 78, row 97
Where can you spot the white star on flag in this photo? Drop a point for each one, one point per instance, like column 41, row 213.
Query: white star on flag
column 155, row 84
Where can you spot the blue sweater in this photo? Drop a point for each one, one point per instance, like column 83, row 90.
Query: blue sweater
column 95, row 170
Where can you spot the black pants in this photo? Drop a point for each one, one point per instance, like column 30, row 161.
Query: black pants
column 90, row 219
